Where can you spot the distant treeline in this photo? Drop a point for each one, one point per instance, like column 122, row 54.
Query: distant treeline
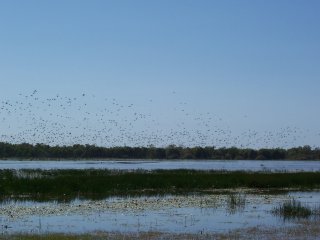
column 25, row 150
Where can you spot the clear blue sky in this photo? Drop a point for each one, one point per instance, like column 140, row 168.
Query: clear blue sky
column 238, row 72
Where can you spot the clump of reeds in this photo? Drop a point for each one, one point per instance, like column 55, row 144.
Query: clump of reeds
column 235, row 203
column 293, row 209
column 90, row 183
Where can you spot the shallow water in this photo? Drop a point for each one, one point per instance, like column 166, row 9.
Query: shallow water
column 228, row 165
column 174, row 214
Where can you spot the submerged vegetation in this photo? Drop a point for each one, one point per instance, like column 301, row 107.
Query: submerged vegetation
column 25, row 150
column 68, row 184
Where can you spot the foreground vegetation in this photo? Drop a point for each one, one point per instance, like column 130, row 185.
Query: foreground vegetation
column 295, row 209
column 103, row 183
column 26, row 150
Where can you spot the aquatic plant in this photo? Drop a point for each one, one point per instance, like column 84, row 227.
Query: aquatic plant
column 236, row 203
column 293, row 209
column 102, row 183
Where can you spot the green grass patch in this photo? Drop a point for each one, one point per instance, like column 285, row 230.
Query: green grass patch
column 103, row 183
column 295, row 209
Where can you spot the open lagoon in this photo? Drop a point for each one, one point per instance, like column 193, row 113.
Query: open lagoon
column 227, row 165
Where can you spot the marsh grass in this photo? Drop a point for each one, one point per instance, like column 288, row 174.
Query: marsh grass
column 292, row 209
column 98, row 184
column 236, row 203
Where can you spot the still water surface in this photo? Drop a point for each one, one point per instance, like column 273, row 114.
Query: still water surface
column 228, row 165
column 218, row 216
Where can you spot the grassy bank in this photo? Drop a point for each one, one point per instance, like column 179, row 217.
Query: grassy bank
column 103, row 183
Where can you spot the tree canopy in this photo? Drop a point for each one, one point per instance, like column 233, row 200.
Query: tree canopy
column 25, row 150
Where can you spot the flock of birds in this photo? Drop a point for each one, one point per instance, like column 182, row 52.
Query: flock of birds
column 88, row 119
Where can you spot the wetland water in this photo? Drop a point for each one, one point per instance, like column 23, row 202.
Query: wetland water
column 199, row 213
column 172, row 214
column 227, row 165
